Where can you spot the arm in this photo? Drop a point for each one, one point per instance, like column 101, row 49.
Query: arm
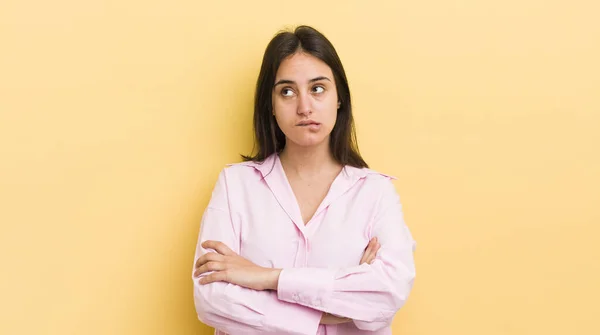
column 226, row 265
column 370, row 295
column 235, row 309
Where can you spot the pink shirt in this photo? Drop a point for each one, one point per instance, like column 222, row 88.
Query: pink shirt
column 254, row 211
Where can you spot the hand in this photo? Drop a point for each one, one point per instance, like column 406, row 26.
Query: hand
column 330, row 319
column 371, row 251
column 228, row 266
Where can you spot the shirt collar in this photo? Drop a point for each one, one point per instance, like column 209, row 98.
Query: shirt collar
column 274, row 176
column 349, row 172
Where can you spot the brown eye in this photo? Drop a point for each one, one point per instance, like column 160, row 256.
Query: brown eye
column 287, row 92
column 318, row 89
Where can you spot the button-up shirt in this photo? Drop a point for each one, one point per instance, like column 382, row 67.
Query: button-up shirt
column 253, row 211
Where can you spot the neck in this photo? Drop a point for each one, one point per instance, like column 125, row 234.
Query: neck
column 308, row 161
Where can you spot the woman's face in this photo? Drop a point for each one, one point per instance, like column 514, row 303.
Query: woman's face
column 305, row 100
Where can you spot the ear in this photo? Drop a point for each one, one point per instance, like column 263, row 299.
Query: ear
column 339, row 104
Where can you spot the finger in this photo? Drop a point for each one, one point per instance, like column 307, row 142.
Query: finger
column 368, row 251
column 372, row 243
column 219, row 247
column 365, row 257
column 374, row 254
column 334, row 320
column 210, row 266
column 210, row 256
column 213, row 277
column 205, row 258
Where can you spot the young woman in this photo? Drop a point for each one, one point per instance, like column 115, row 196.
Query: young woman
column 302, row 238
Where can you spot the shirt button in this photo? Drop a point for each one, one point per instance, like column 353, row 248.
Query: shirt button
column 295, row 297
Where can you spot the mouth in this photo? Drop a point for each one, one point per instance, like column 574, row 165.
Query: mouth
column 307, row 123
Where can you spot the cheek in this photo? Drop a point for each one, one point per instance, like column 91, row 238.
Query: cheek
column 284, row 115
column 330, row 114
column 278, row 105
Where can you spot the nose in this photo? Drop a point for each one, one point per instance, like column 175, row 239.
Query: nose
column 304, row 105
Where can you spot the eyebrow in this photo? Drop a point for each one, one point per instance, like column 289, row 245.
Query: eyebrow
column 286, row 81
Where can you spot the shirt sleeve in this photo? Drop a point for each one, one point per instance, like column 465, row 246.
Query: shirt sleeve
column 235, row 309
column 369, row 294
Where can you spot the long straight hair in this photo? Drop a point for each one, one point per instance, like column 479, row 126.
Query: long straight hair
column 269, row 138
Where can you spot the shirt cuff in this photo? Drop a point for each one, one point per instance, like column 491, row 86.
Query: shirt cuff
column 305, row 286
column 293, row 318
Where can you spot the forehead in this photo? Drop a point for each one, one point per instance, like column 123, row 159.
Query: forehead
column 302, row 67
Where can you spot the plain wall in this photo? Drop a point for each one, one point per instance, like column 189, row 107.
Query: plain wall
column 116, row 117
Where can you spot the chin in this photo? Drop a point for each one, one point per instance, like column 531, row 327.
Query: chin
column 309, row 142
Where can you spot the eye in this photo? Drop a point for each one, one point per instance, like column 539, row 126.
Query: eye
column 287, row 92
column 318, row 89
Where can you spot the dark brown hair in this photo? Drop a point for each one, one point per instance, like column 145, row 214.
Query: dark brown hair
column 268, row 136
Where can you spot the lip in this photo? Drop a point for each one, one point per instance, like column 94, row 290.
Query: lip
column 308, row 123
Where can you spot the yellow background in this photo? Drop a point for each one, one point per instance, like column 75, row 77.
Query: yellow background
column 116, row 117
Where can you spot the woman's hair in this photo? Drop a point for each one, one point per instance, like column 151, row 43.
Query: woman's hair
column 268, row 136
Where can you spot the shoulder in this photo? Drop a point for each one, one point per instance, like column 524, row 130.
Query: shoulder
column 241, row 167
column 248, row 170
column 379, row 184
column 368, row 175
